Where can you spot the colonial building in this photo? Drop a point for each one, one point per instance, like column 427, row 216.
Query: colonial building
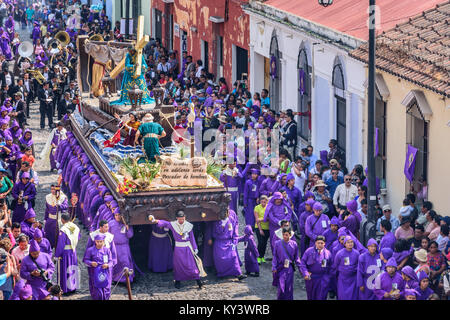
column 299, row 51
column 214, row 31
column 413, row 106
column 116, row 9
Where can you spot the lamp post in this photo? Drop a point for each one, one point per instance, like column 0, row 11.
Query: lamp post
column 370, row 230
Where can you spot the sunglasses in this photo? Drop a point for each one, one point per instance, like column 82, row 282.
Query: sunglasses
column 347, row 179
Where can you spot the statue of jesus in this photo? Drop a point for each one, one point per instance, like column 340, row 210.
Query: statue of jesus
column 130, row 79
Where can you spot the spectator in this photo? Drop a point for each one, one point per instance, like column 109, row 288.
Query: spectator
column 405, row 231
column 344, row 193
column 387, row 215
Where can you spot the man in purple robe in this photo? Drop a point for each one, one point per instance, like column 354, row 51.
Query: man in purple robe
column 44, row 244
column 66, row 253
column 277, row 209
column 270, row 185
column 186, row 264
column 56, row 202
column 389, row 284
column 388, row 240
column 36, row 268
column 99, row 260
column 315, row 266
column 231, row 178
column 226, row 261
column 345, row 267
column 122, row 234
column 308, row 211
column 251, row 194
column 57, row 135
column 29, row 225
column 12, row 154
column 36, row 34
column 294, row 194
column 369, row 266
column 9, row 25
column 285, row 257
column 23, row 193
column 348, row 219
column 4, row 44
column 331, row 234
column 108, row 243
column 160, row 250
column 316, row 224
column 410, row 277
column 423, row 289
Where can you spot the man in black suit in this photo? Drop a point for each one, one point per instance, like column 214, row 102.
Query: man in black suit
column 28, row 92
column 45, row 97
column 65, row 105
column 19, row 109
column 56, row 90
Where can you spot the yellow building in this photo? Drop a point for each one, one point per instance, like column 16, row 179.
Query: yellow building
column 413, row 107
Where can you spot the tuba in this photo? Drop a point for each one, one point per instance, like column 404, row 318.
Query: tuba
column 25, row 49
column 63, row 38
column 37, row 75
column 96, row 37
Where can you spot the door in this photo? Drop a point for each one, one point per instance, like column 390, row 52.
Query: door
column 158, row 25
column 205, row 57
column 241, row 62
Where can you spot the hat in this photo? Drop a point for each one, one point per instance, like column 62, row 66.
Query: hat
column 352, row 206
column 248, row 230
column 180, row 214
column 290, row 176
column 34, row 246
column 109, row 198
column 25, row 175
column 317, row 206
column 387, row 253
column 407, row 270
column 422, row 275
column 100, row 237
column 320, row 183
column 37, row 234
column 310, row 202
column 411, row 292
column 25, row 292
column 334, row 220
column 29, row 214
column 347, row 238
column 371, row 242
column 421, row 255
column 277, row 195
column 391, row 262
column 255, row 171
column 386, row 207
column 308, row 194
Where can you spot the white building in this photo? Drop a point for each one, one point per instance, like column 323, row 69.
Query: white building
column 333, row 82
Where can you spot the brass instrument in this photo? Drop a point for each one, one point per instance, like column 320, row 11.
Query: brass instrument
column 96, row 37
column 63, row 38
column 36, row 75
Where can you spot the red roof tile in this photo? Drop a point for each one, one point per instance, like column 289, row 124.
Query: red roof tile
column 417, row 50
column 350, row 16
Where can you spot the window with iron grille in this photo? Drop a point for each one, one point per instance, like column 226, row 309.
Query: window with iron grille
column 304, row 96
column 341, row 107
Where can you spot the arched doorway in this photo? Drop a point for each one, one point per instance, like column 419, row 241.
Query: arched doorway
column 304, row 96
column 341, row 106
column 275, row 74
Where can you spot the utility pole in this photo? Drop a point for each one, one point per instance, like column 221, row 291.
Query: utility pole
column 127, row 19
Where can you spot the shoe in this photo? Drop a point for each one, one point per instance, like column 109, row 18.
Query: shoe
column 177, row 284
column 263, row 260
column 332, row 295
column 259, row 260
column 256, row 274
column 200, row 284
column 241, row 277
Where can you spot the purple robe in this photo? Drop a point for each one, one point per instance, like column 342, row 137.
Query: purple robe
column 330, row 238
column 184, row 265
column 36, row 33
column 57, row 138
column 269, row 186
column 160, row 250
column 284, row 255
column 17, row 288
column 274, row 214
column 27, row 229
column 388, row 241
column 4, row 46
column 316, row 226
column 232, row 185
column 226, row 260
column 400, row 256
column 51, row 215
column 12, row 157
column 100, row 256
column 46, row 247
column 351, row 223
column 423, row 294
column 9, row 24
column 68, row 265
column 122, row 244
column 345, row 267
column 385, row 283
column 208, row 250
column 295, row 195
column 301, row 224
column 318, row 266
column 369, row 266
column 251, row 194
column 251, row 251
column 29, row 190
column 45, row 263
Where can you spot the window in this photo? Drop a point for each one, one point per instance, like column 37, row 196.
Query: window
column 341, row 107
column 274, row 90
column 304, row 96
column 417, row 136
column 380, row 124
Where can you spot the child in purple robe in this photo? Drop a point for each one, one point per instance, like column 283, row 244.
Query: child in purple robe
column 36, row 34
column 423, row 289
column 122, row 234
column 388, row 240
column 186, row 264
column 348, row 219
column 12, row 154
column 251, row 252
column 410, row 277
column 389, row 284
column 28, row 226
column 160, row 250
column 23, row 193
column 251, row 194
column 99, row 260
column 315, row 266
column 308, row 211
column 316, row 224
column 345, row 267
column 285, row 257
column 15, row 131
column 331, row 234
column 369, row 266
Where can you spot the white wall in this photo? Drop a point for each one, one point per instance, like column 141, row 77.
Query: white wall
column 323, row 102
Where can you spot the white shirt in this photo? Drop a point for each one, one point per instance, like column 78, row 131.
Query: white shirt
column 342, row 195
column 299, row 180
column 8, row 79
column 163, row 67
column 199, row 72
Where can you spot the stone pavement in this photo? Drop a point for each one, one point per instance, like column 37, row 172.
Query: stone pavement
column 152, row 286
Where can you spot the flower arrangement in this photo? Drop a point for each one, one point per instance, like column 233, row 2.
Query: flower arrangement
column 126, row 187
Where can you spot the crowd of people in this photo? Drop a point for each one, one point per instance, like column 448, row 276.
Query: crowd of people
column 308, row 206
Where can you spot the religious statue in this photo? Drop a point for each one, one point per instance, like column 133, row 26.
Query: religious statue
column 131, row 79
